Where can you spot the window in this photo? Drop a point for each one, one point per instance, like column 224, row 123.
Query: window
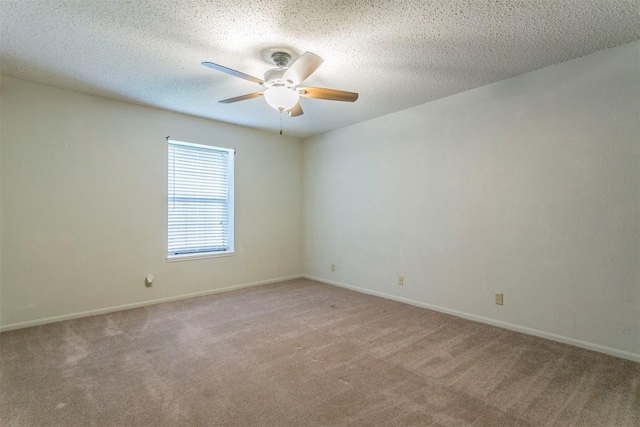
column 200, row 220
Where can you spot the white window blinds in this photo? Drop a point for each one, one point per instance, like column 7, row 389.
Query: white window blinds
column 200, row 219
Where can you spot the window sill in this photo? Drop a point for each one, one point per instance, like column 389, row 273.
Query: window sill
column 190, row 257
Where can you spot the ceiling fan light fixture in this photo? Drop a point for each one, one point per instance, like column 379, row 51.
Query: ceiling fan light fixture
column 281, row 98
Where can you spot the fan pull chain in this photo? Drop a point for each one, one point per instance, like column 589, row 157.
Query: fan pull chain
column 280, row 122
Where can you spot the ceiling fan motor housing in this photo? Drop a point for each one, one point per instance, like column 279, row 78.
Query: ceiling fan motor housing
column 274, row 78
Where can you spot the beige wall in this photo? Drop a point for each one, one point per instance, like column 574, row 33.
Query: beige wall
column 529, row 187
column 1, row 85
column 83, row 221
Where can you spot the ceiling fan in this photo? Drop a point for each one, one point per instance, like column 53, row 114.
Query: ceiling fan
column 281, row 83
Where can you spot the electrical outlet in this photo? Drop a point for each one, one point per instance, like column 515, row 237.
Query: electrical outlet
column 499, row 298
column 400, row 280
column 333, row 267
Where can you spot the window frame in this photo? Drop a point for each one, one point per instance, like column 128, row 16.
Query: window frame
column 230, row 251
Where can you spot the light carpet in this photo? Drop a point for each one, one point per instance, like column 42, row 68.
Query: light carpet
column 301, row 353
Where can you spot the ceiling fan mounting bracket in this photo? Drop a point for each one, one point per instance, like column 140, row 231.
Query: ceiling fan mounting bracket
column 268, row 54
column 281, row 59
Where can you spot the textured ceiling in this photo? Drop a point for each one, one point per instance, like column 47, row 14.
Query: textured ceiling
column 396, row 54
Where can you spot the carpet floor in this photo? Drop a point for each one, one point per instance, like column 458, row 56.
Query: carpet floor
column 301, row 353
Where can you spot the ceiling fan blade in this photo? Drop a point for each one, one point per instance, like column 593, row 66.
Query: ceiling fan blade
column 330, row 94
column 242, row 97
column 296, row 111
column 233, row 72
column 303, row 67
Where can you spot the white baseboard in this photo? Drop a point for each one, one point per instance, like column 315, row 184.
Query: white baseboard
column 530, row 331
column 105, row 310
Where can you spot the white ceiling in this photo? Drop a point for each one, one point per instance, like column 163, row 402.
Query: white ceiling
column 396, row 54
